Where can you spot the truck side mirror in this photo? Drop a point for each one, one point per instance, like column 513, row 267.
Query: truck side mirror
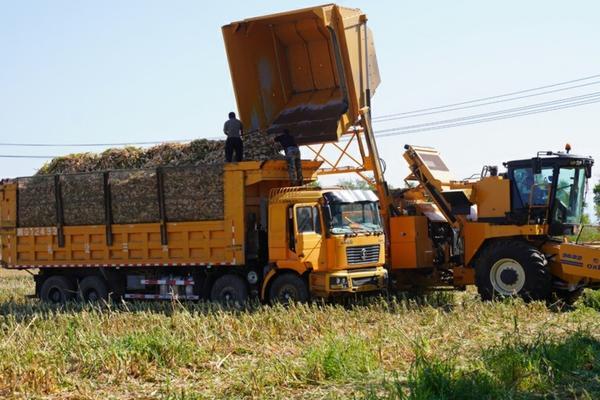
column 588, row 171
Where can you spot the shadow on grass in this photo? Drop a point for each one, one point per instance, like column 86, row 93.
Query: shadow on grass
column 26, row 309
column 34, row 307
column 546, row 368
column 444, row 300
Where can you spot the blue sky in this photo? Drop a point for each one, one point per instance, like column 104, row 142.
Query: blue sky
column 116, row 71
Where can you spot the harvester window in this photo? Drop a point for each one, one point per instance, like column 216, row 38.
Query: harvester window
column 570, row 191
column 533, row 188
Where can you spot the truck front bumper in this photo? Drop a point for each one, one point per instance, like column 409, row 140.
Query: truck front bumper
column 327, row 284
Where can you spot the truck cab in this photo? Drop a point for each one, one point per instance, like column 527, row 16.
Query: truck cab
column 323, row 243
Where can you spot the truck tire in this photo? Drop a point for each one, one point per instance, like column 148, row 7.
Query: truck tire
column 57, row 290
column 93, row 289
column 288, row 288
column 512, row 268
column 230, row 289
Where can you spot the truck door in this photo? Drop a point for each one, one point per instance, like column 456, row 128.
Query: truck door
column 308, row 230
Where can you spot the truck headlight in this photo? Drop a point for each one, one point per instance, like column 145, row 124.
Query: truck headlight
column 338, row 282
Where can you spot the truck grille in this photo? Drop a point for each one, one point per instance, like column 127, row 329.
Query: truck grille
column 362, row 254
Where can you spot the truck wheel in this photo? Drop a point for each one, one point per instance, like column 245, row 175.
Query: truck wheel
column 93, row 289
column 229, row 289
column 288, row 288
column 57, row 290
column 512, row 267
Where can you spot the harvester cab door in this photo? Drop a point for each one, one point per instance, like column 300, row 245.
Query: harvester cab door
column 308, row 233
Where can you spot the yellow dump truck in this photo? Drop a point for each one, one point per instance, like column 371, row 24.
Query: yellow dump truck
column 265, row 239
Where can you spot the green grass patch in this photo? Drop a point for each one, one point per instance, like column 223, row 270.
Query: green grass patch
column 341, row 358
column 591, row 298
column 514, row 369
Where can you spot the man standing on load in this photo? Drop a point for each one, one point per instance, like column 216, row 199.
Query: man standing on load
column 292, row 154
column 234, row 129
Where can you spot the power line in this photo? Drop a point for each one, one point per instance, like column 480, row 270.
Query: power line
column 391, row 118
column 499, row 112
column 91, row 144
column 382, row 118
column 489, row 98
column 490, row 119
column 24, row 156
column 429, row 127
column 441, row 124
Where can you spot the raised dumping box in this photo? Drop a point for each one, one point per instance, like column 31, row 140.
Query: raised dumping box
column 306, row 70
column 161, row 241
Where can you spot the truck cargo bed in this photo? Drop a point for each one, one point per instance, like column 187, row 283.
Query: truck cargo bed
column 156, row 243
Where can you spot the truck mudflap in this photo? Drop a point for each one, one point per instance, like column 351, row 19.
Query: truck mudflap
column 327, row 284
column 581, row 260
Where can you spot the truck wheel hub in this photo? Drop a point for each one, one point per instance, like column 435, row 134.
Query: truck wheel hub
column 288, row 293
column 507, row 277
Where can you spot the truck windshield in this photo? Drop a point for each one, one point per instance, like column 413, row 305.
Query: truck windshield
column 570, row 192
column 354, row 217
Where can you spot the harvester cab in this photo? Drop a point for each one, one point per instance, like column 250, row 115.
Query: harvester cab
column 549, row 189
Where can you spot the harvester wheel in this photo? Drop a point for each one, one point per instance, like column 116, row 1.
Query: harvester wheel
column 230, row 289
column 512, row 268
column 93, row 289
column 288, row 288
column 57, row 289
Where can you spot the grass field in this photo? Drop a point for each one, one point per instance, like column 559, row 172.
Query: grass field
column 444, row 346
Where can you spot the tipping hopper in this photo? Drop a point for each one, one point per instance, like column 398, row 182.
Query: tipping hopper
column 308, row 70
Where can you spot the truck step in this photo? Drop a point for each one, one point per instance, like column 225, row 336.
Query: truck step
column 140, row 296
column 170, row 282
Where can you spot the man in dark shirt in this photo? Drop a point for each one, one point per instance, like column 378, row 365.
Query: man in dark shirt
column 234, row 129
column 292, row 154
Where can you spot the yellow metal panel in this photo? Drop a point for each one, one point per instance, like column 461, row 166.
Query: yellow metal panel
column 134, row 244
column 8, row 205
column 580, row 260
column 463, row 276
column 492, row 196
column 235, row 227
column 278, row 232
column 410, row 244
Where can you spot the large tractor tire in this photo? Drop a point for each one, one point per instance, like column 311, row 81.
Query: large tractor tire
column 57, row 290
column 288, row 288
column 93, row 289
column 512, row 268
column 230, row 289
